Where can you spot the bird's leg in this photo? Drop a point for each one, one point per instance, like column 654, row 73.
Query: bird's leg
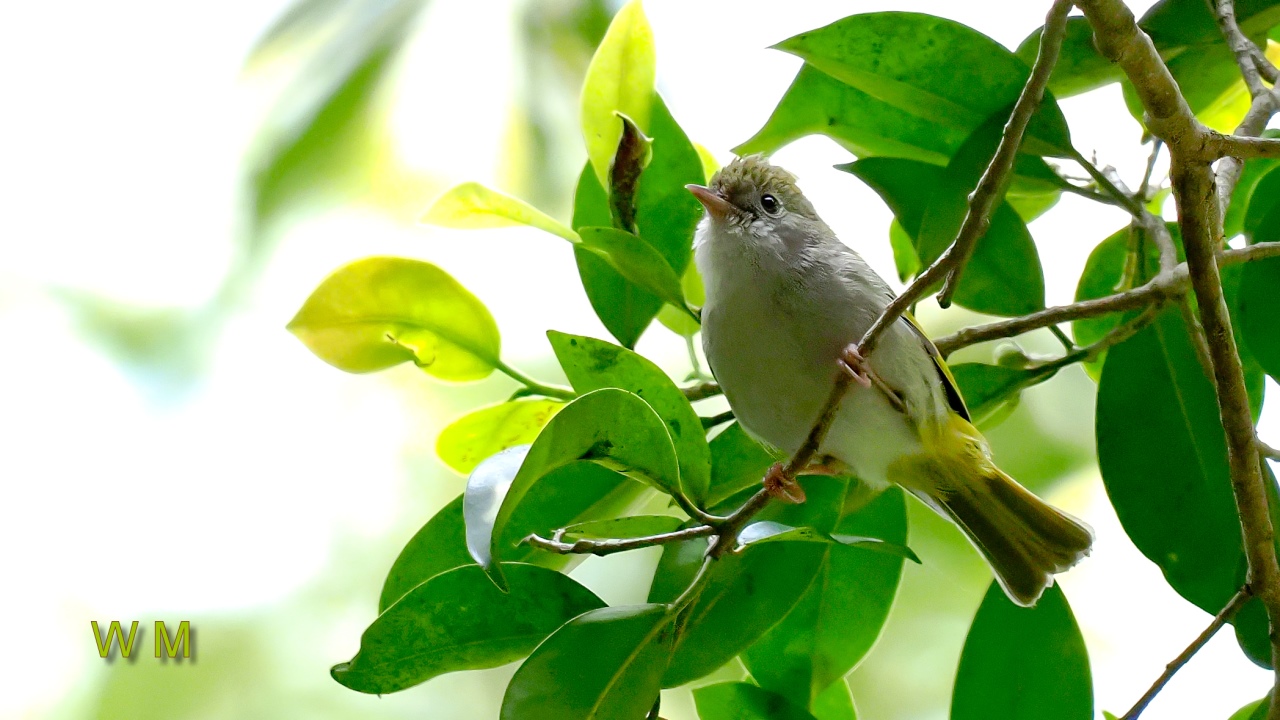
column 782, row 487
column 827, row 465
column 852, row 362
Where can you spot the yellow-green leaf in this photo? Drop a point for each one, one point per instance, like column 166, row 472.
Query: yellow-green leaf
column 619, row 79
column 381, row 311
column 488, row 431
column 472, row 205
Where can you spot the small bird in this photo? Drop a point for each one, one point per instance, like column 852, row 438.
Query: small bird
column 786, row 303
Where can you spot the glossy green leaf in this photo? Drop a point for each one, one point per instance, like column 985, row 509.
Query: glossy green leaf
column 490, row 430
column 472, row 205
column 1163, row 458
column 746, row 593
column 458, row 620
column 744, row 701
column 931, row 67
column 1023, row 663
column 618, row 80
column 633, row 526
column 666, row 215
column 1260, row 311
column 1003, row 277
column 1080, row 66
column 1255, row 377
column 592, row 364
column 817, row 103
column 577, row 492
column 611, row 427
column 606, row 664
column 737, row 462
column 635, row 260
column 1256, row 710
column 987, row 389
column 767, row 531
column 381, row 311
column 834, row 703
column 839, row 618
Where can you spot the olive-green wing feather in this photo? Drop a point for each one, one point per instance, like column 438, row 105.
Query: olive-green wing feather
column 948, row 380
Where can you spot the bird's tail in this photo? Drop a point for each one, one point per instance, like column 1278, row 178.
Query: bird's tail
column 1025, row 539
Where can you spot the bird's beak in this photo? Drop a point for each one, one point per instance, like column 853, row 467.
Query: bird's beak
column 717, row 207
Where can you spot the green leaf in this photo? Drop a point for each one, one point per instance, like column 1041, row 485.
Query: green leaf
column 606, row 664
column 767, row 531
column 737, row 463
column 1023, row 663
column 745, row 593
column 440, row 545
column 835, row 703
column 618, row 80
column 472, row 205
column 1252, row 173
column 666, row 215
column 817, row 103
column 1163, row 459
column 381, row 311
column 838, row 619
column 624, row 527
column 1080, row 67
column 987, row 389
column 458, row 620
column 1260, row 312
column 744, row 701
column 1262, row 217
column 490, row 430
column 592, row 364
column 635, row 260
column 679, row 321
column 931, row 67
column 905, row 257
column 610, row 427
column 1003, row 277
column 1256, row 710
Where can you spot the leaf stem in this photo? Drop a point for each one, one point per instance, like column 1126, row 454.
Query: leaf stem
column 535, row 387
column 614, row 545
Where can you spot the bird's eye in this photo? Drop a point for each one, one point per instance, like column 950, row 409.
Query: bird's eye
column 770, row 204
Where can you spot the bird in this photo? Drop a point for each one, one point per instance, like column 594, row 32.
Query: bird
column 786, row 304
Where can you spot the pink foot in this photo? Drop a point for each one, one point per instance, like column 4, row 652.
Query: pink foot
column 782, row 487
column 853, row 363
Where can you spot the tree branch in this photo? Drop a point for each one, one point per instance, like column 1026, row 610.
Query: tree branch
column 700, row 391
column 1222, row 618
column 1242, row 47
column 1218, row 145
column 611, row 545
column 995, row 178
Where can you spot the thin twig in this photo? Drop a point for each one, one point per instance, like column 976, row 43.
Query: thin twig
column 1067, row 343
column 1217, row 145
column 533, row 387
column 1242, row 47
column 1222, row 618
column 701, row 391
column 1255, row 121
column 1268, row 451
column 609, row 546
column 1108, row 187
column 995, row 178
column 1156, row 146
column 1163, row 286
column 722, row 418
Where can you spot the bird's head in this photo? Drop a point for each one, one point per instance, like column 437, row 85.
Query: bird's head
column 758, row 202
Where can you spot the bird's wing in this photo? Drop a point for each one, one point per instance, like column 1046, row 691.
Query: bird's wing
column 949, row 385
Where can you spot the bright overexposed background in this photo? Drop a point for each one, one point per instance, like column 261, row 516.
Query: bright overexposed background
column 169, row 452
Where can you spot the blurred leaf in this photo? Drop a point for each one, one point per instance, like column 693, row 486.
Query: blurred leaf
column 606, row 664
column 745, row 593
column 635, row 260
column 1174, row 23
column 1252, row 173
column 458, row 620
column 624, row 527
column 835, row 703
column 1004, row 275
column 1163, row 458
column 679, row 321
column 986, row 389
column 744, row 701
column 619, row 80
column 905, row 257
column 1260, row 310
column 611, row 427
column 709, row 163
column 592, row 364
column 1262, row 216
column 490, row 430
column 666, row 215
column 577, row 492
column 838, row 619
column 817, row 103
column 931, row 67
column 1023, row 663
column 472, row 205
column 1080, row 66
column 381, row 311
column 298, row 17
column 737, row 462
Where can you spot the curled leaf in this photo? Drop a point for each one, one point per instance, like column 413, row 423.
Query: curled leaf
column 473, row 206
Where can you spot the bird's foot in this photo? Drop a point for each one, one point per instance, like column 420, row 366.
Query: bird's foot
column 852, row 362
column 782, row 487
column 826, row 466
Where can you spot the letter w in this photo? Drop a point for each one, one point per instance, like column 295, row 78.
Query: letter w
column 114, row 635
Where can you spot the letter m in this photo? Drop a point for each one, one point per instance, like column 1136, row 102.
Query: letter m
column 115, row 636
column 182, row 639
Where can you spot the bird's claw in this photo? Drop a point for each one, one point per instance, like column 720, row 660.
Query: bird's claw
column 852, row 362
column 782, row 487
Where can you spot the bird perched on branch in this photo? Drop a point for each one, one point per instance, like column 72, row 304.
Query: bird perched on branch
column 786, row 304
